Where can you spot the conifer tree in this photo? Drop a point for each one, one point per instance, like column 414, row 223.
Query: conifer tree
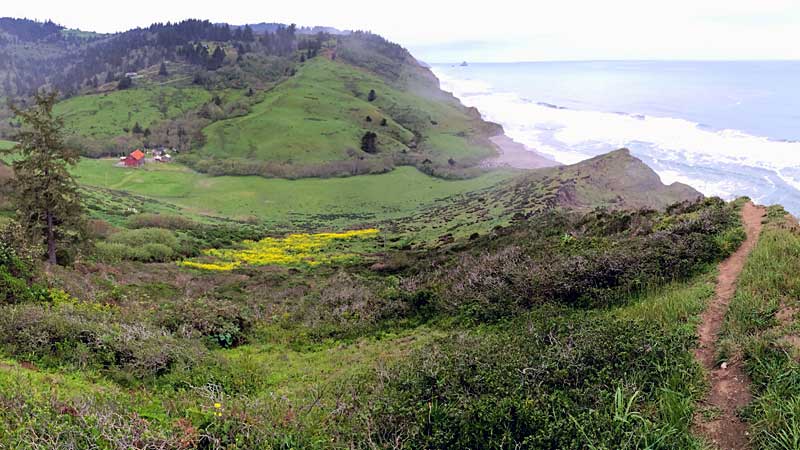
column 45, row 193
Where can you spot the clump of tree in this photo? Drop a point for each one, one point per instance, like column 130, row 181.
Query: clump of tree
column 282, row 42
column 124, row 83
column 372, row 95
column 217, row 58
column 369, row 142
column 162, row 71
column 45, row 194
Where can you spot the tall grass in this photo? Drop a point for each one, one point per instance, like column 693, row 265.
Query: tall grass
column 768, row 284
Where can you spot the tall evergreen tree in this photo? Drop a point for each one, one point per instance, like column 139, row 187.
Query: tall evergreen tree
column 46, row 195
column 247, row 34
column 369, row 142
column 217, row 58
column 162, row 71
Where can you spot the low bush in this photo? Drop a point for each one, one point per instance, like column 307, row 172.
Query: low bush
column 222, row 323
column 143, row 236
column 546, row 262
column 166, row 221
column 16, row 278
column 144, row 245
column 87, row 335
column 551, row 379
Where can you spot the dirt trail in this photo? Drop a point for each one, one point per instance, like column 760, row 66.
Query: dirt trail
column 729, row 386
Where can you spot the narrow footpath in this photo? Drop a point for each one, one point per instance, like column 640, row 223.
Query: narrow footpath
column 730, row 386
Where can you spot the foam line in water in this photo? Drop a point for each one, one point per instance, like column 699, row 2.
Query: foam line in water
column 678, row 149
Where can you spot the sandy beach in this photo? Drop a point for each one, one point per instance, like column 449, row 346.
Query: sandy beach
column 514, row 154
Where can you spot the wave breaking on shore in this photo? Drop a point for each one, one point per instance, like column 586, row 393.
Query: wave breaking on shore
column 725, row 163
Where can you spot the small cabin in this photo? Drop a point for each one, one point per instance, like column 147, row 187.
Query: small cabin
column 135, row 159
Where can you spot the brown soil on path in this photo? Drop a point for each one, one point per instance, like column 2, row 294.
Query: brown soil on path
column 729, row 386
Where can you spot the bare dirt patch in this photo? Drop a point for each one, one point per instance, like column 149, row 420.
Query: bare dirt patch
column 730, row 386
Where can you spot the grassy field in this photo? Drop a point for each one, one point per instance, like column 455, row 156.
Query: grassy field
column 5, row 145
column 308, row 203
column 320, row 114
column 106, row 115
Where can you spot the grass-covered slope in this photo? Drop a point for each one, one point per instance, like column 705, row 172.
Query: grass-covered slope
column 405, row 200
column 313, row 123
column 108, row 115
column 616, row 180
column 496, row 344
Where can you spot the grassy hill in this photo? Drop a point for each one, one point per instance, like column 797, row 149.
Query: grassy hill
column 282, row 104
column 616, row 180
column 266, row 355
column 108, row 115
column 318, row 117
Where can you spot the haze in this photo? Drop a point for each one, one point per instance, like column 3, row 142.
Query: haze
column 497, row 31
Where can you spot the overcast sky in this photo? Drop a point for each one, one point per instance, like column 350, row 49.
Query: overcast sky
column 496, row 30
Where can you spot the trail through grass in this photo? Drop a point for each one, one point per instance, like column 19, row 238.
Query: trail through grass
column 762, row 326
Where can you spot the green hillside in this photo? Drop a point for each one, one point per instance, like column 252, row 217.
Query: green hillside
column 111, row 114
column 318, row 117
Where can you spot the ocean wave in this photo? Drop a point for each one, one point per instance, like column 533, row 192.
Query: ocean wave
column 722, row 162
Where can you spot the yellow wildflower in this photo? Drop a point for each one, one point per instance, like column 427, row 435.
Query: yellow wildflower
column 294, row 249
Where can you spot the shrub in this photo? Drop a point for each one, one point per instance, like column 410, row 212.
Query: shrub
column 144, row 245
column 223, row 323
column 547, row 262
column 143, row 236
column 552, row 379
column 90, row 335
column 111, row 252
column 16, row 279
column 166, row 221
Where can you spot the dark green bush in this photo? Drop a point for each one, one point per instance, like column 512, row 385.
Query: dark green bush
column 16, row 279
column 222, row 323
column 92, row 336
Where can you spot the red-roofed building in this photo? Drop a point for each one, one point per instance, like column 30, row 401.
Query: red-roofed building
column 135, row 159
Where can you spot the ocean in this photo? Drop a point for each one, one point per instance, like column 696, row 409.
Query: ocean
column 726, row 128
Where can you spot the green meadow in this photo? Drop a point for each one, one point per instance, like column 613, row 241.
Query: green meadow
column 319, row 203
column 5, row 145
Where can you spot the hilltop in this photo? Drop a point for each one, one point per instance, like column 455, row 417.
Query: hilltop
column 274, row 101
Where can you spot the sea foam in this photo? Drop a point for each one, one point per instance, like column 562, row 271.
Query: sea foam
column 725, row 163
